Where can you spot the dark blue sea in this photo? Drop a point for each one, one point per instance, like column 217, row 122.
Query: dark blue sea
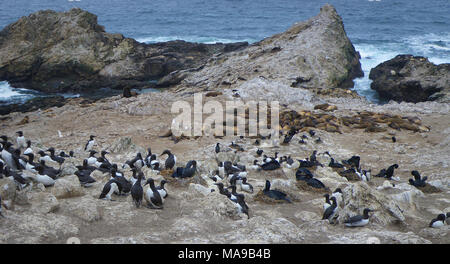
column 379, row 29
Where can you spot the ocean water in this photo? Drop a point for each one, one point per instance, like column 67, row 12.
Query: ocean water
column 379, row 29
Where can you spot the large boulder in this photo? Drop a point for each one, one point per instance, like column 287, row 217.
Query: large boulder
column 68, row 51
column 312, row 54
column 412, row 79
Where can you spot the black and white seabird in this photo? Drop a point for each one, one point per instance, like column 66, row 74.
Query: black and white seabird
column 330, row 212
column 7, row 155
column 28, row 148
column 162, row 191
column 170, row 161
column 418, row 180
column 152, row 196
column 90, row 143
column 222, row 189
column 327, row 202
column 123, row 184
column 271, row 165
column 42, row 177
column 109, row 188
column 334, row 164
column 358, row 220
column 137, row 162
column 259, row 152
column 59, row 160
column 233, row 193
column 352, row 162
column 190, row 169
column 245, row 186
column 92, row 159
column 50, row 171
column 255, row 165
column 438, row 222
column 86, row 166
column 18, row 179
column 137, row 192
column 241, row 205
column 21, row 141
column 62, row 154
column 274, row 194
column 217, row 148
column 390, row 171
column 84, row 177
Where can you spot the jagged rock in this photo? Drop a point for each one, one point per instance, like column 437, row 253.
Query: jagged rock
column 366, row 236
column 44, row 203
column 85, row 208
column 360, row 195
column 28, row 227
column 412, row 79
column 8, row 189
column 121, row 145
column 306, row 47
column 42, row 52
column 67, row 187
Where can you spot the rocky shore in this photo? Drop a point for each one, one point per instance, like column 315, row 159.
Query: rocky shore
column 307, row 69
column 412, row 79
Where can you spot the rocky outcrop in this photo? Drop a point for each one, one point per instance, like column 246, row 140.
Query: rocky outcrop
column 412, row 79
column 312, row 54
column 68, row 51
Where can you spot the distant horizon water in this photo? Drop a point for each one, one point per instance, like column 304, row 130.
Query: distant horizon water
column 379, row 29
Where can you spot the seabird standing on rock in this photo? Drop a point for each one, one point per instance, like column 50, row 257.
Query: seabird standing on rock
column 222, row 190
column 390, row 171
column 92, row 159
column 84, row 177
column 62, row 154
column 438, row 222
column 28, row 149
column 18, row 179
column 327, row 202
column 50, row 171
column 418, row 180
column 190, row 169
column 108, row 189
column 43, row 178
column 90, row 143
column 170, row 161
column 241, row 205
column 137, row 192
column 153, row 198
column 217, row 149
column 274, row 194
column 162, row 191
column 331, row 211
column 255, row 165
column 123, row 184
column 259, row 152
column 7, row 155
column 245, row 186
column 59, row 160
column 21, row 141
column 86, row 166
column 334, row 164
column 358, row 220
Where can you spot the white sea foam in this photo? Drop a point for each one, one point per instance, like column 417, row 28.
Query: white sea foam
column 7, row 91
column 197, row 39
